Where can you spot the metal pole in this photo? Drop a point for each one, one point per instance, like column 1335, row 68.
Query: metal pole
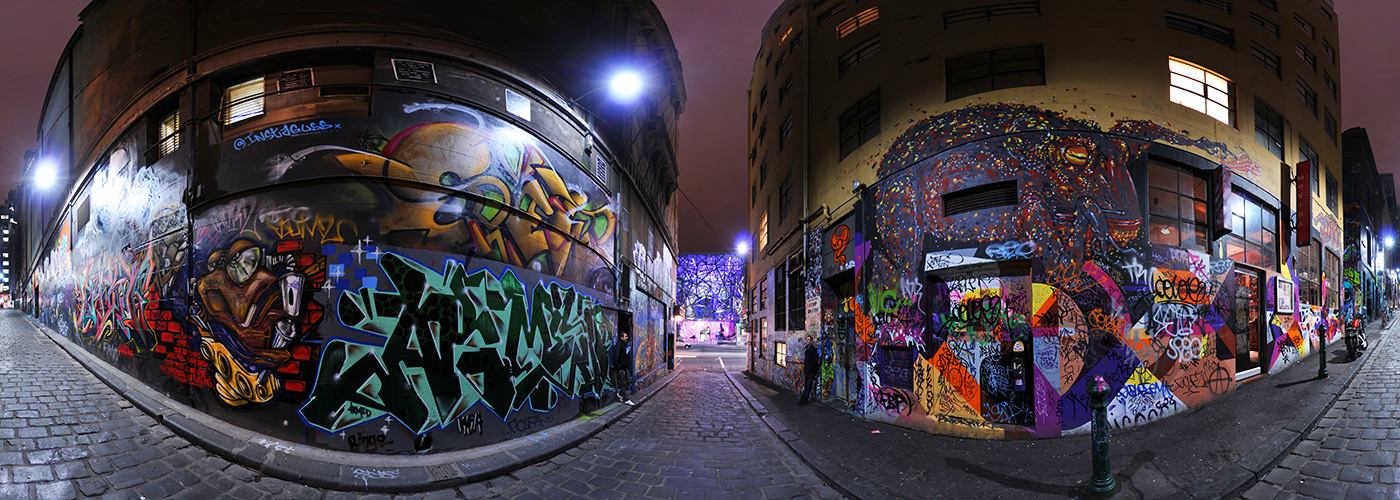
column 1101, row 484
column 1322, row 348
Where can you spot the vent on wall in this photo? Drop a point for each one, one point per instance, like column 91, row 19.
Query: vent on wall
column 996, row 194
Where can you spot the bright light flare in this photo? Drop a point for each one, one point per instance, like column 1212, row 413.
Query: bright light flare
column 625, row 86
column 46, row 173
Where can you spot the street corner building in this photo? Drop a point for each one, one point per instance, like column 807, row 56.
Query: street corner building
column 977, row 207
column 367, row 228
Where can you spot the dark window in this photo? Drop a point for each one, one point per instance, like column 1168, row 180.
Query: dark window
column 797, row 304
column 1332, row 193
column 1308, row 264
column 1264, row 24
column 1333, row 279
column 762, row 130
column 861, row 53
column 796, row 40
column 1268, row 127
column 834, row 10
column 753, row 194
column 995, row 70
column 1307, row 56
column 860, row 123
column 1255, row 238
column 1331, row 84
column 782, row 59
column 1308, row 95
column 991, row 195
column 1308, row 154
column 763, row 174
column 763, row 294
column 1271, row 4
column 780, row 291
column 1178, row 206
column 784, row 131
column 762, row 95
column 1266, row 57
column 784, row 89
column 784, row 199
column 753, row 118
column 1305, row 26
column 1329, row 124
column 1214, row 4
column 987, row 12
column 1328, row 51
column 1204, row 29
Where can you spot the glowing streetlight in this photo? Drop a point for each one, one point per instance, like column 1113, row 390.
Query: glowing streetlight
column 1390, row 242
column 46, row 173
column 625, row 86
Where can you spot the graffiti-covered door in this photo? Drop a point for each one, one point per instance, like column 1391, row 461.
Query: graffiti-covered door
column 981, row 314
column 1249, row 322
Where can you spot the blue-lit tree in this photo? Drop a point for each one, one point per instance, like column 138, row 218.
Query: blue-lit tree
column 710, row 286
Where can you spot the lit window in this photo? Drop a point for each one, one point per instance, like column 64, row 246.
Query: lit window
column 780, row 353
column 168, row 133
column 865, row 17
column 1255, row 238
column 763, row 230
column 1200, row 89
column 243, row 101
column 1178, row 207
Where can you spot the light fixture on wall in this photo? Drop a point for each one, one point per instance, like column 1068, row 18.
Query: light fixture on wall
column 46, row 173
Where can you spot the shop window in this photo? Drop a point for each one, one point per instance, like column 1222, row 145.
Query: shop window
column 1178, row 207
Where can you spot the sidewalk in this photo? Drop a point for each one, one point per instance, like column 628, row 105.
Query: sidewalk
column 321, row 468
column 1216, row 451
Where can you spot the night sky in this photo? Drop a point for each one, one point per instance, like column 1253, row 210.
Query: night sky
column 717, row 40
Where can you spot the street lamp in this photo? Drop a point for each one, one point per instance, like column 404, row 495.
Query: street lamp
column 46, row 173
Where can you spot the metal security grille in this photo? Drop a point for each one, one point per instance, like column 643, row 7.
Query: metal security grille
column 996, row 194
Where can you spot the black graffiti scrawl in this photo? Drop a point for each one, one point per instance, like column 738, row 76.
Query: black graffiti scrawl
column 454, row 340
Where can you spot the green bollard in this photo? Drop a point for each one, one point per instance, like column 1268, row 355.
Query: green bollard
column 1101, row 484
column 1322, row 349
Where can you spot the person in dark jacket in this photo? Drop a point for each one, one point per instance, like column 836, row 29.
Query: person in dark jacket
column 622, row 367
column 811, row 370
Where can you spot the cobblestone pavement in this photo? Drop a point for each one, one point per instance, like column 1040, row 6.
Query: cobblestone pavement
column 1351, row 453
column 64, row 434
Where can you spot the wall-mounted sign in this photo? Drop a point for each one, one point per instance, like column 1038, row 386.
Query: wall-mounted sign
column 1283, row 296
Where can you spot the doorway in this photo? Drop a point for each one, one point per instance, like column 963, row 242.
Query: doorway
column 1248, row 324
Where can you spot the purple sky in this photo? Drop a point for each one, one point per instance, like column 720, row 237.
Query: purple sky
column 717, row 40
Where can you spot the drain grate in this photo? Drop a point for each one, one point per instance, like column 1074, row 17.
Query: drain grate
column 444, row 472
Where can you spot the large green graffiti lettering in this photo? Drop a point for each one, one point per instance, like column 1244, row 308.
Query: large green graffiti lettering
column 454, row 340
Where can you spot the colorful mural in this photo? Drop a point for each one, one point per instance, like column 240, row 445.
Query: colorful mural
column 432, row 278
column 710, row 286
column 1003, row 313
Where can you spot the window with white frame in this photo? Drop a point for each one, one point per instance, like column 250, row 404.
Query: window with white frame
column 168, row 133
column 1200, row 89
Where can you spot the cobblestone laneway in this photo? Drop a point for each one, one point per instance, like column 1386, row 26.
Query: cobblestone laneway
column 696, row 439
column 64, row 434
column 1352, row 452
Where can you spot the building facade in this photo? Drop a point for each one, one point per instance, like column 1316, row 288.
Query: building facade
column 977, row 207
column 364, row 232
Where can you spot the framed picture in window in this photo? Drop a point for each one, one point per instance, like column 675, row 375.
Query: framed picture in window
column 1283, row 296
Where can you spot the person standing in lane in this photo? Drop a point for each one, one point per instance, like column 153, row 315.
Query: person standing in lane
column 622, row 367
column 811, row 370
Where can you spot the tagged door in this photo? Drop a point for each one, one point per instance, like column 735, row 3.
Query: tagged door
column 1248, row 324
column 981, row 314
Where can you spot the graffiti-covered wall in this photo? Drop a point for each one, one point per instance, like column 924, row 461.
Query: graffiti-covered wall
column 431, row 277
column 987, row 316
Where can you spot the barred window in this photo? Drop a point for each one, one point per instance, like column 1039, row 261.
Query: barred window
column 1308, row 96
column 1264, row 24
column 987, row 12
column 1307, row 56
column 1266, row 58
column 1204, row 29
column 860, row 123
column 995, row 70
column 857, row 55
column 857, row 21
